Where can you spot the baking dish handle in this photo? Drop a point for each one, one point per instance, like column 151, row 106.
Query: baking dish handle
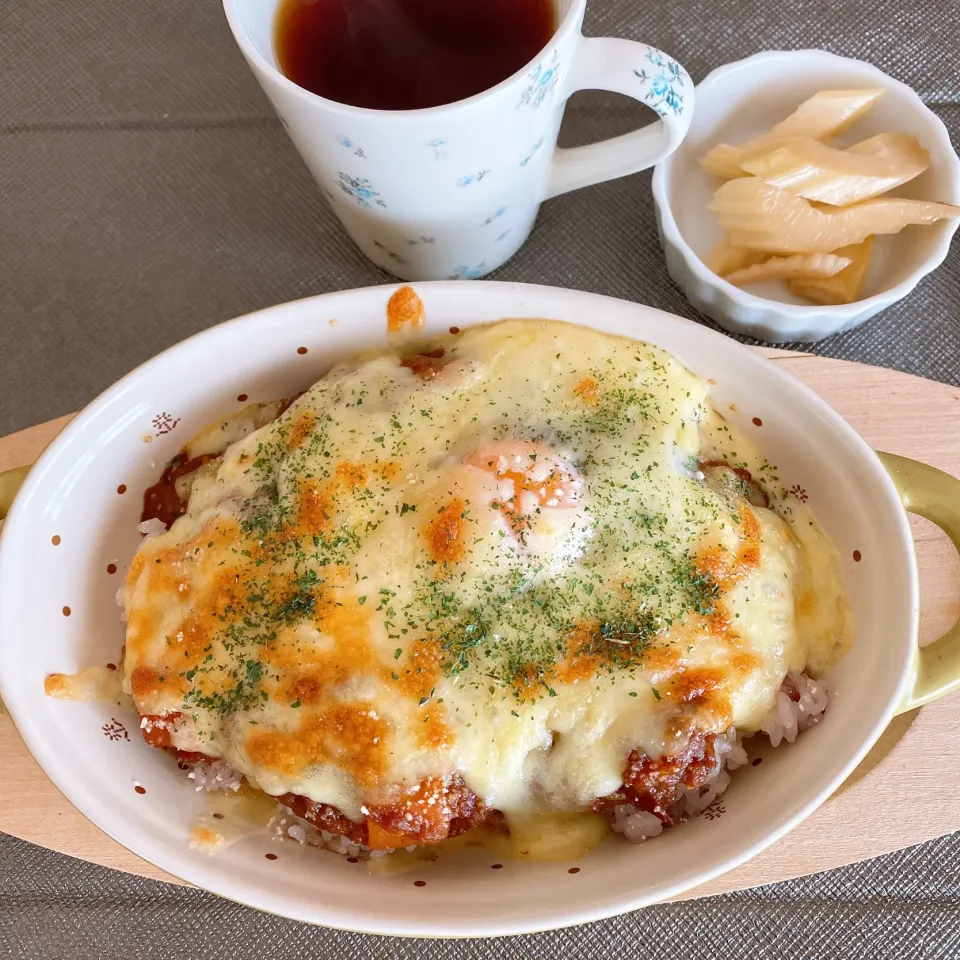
column 10, row 483
column 935, row 495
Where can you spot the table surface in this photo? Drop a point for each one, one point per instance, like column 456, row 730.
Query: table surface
column 149, row 192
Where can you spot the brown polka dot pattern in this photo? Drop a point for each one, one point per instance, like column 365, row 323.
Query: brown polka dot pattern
column 241, row 397
column 496, row 866
column 55, row 539
column 67, row 611
column 857, row 555
column 574, row 870
column 756, row 761
column 757, row 422
column 111, row 568
column 419, row 883
column 122, row 488
column 301, row 350
column 140, row 790
column 454, row 330
column 270, row 856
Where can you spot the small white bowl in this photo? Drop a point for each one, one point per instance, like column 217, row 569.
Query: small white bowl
column 742, row 100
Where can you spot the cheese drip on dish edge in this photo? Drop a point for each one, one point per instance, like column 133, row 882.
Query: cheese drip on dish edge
column 502, row 563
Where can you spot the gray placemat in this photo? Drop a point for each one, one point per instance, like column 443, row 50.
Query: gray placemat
column 904, row 905
column 147, row 192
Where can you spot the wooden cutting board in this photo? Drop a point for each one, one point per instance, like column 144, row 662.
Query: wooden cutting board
column 904, row 792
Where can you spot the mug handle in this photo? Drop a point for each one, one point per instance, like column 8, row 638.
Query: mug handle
column 639, row 71
column 933, row 494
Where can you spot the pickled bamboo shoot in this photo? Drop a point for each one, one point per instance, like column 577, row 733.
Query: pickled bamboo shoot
column 842, row 287
column 815, row 171
column 800, row 266
column 822, row 117
column 761, row 216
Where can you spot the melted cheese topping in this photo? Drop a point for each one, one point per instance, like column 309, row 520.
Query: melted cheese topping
column 229, row 817
column 504, row 563
column 92, row 685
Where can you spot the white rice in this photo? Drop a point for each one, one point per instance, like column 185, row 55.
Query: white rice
column 152, row 528
column 219, row 776
column 787, row 718
column 288, row 824
column 215, row 776
column 297, row 832
column 119, row 597
column 636, row 825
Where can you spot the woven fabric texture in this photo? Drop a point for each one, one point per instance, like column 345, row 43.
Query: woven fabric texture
column 147, row 191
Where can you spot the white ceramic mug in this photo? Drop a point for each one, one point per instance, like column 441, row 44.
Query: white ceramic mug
column 452, row 192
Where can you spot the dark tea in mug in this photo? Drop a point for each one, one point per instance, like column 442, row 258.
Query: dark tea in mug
column 408, row 54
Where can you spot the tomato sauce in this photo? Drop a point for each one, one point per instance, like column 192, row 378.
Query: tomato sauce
column 325, row 817
column 425, row 365
column 440, row 808
column 437, row 808
column 433, row 811
column 754, row 493
column 161, row 501
column 288, row 402
column 654, row 785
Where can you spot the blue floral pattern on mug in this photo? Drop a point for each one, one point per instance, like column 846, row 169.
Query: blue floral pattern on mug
column 494, row 216
column 541, row 82
column 469, row 273
column 665, row 83
column 360, row 189
column 350, row 145
column 503, row 236
column 419, row 240
column 472, row 178
column 395, row 257
column 435, row 146
column 532, row 152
